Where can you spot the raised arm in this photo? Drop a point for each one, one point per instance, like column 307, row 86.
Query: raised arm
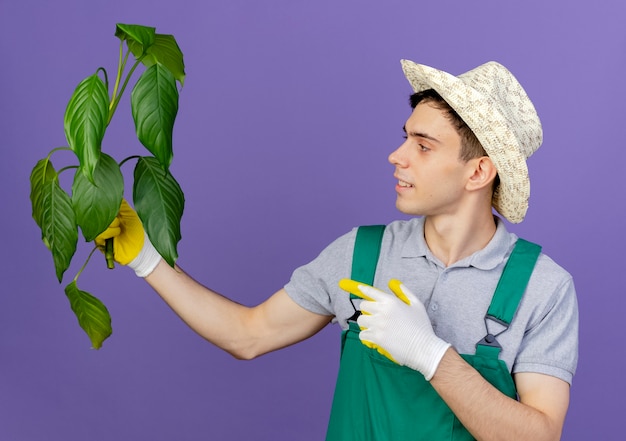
column 245, row 332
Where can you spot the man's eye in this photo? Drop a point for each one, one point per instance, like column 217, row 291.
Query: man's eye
column 423, row 148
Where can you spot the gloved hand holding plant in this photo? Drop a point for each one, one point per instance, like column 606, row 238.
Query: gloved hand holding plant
column 131, row 245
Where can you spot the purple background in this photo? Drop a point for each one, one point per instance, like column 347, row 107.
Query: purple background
column 286, row 119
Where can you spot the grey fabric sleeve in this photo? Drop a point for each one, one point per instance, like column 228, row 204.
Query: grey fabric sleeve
column 550, row 343
column 314, row 286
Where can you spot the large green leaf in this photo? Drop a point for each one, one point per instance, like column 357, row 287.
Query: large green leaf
column 40, row 178
column 96, row 205
column 159, row 202
column 154, row 103
column 137, row 37
column 92, row 315
column 52, row 210
column 86, row 119
column 153, row 48
column 166, row 51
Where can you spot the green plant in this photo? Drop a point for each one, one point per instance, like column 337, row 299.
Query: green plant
column 98, row 184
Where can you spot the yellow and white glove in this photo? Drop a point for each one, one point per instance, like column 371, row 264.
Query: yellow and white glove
column 131, row 245
column 397, row 326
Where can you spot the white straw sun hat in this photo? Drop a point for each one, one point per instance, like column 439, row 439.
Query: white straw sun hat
column 497, row 109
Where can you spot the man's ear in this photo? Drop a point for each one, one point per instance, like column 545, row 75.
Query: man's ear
column 483, row 173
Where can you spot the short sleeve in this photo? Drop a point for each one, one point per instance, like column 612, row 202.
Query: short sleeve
column 314, row 286
column 550, row 344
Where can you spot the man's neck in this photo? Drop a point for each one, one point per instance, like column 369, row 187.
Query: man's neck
column 451, row 238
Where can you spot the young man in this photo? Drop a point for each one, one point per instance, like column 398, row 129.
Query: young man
column 439, row 357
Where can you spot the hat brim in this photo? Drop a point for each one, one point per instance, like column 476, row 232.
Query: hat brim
column 484, row 118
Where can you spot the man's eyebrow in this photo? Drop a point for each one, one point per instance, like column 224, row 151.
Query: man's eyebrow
column 421, row 135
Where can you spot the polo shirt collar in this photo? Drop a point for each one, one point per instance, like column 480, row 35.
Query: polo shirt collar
column 488, row 258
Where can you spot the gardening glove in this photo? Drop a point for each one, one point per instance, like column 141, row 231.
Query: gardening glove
column 397, row 326
column 131, row 245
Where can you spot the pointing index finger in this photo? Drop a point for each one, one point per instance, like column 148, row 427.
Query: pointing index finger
column 354, row 287
column 397, row 288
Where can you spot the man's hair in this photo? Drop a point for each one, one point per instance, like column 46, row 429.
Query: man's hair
column 470, row 145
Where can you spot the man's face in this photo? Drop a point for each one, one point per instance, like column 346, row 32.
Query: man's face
column 431, row 177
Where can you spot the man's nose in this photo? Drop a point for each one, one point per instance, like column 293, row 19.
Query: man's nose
column 397, row 157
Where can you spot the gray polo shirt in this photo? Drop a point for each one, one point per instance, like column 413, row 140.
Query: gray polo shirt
column 542, row 338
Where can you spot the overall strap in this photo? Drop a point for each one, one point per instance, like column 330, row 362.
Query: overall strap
column 509, row 292
column 365, row 257
column 505, row 300
column 366, row 251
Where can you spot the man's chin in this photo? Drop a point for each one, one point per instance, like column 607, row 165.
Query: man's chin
column 410, row 211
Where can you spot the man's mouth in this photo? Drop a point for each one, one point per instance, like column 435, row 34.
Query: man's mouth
column 404, row 184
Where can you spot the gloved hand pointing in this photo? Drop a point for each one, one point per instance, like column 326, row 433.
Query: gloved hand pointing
column 131, row 245
column 397, row 326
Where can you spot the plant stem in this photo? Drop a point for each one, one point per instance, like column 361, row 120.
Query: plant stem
column 57, row 149
column 108, row 253
column 120, row 69
column 84, row 264
column 66, row 168
column 106, row 76
column 126, row 80
column 128, row 159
